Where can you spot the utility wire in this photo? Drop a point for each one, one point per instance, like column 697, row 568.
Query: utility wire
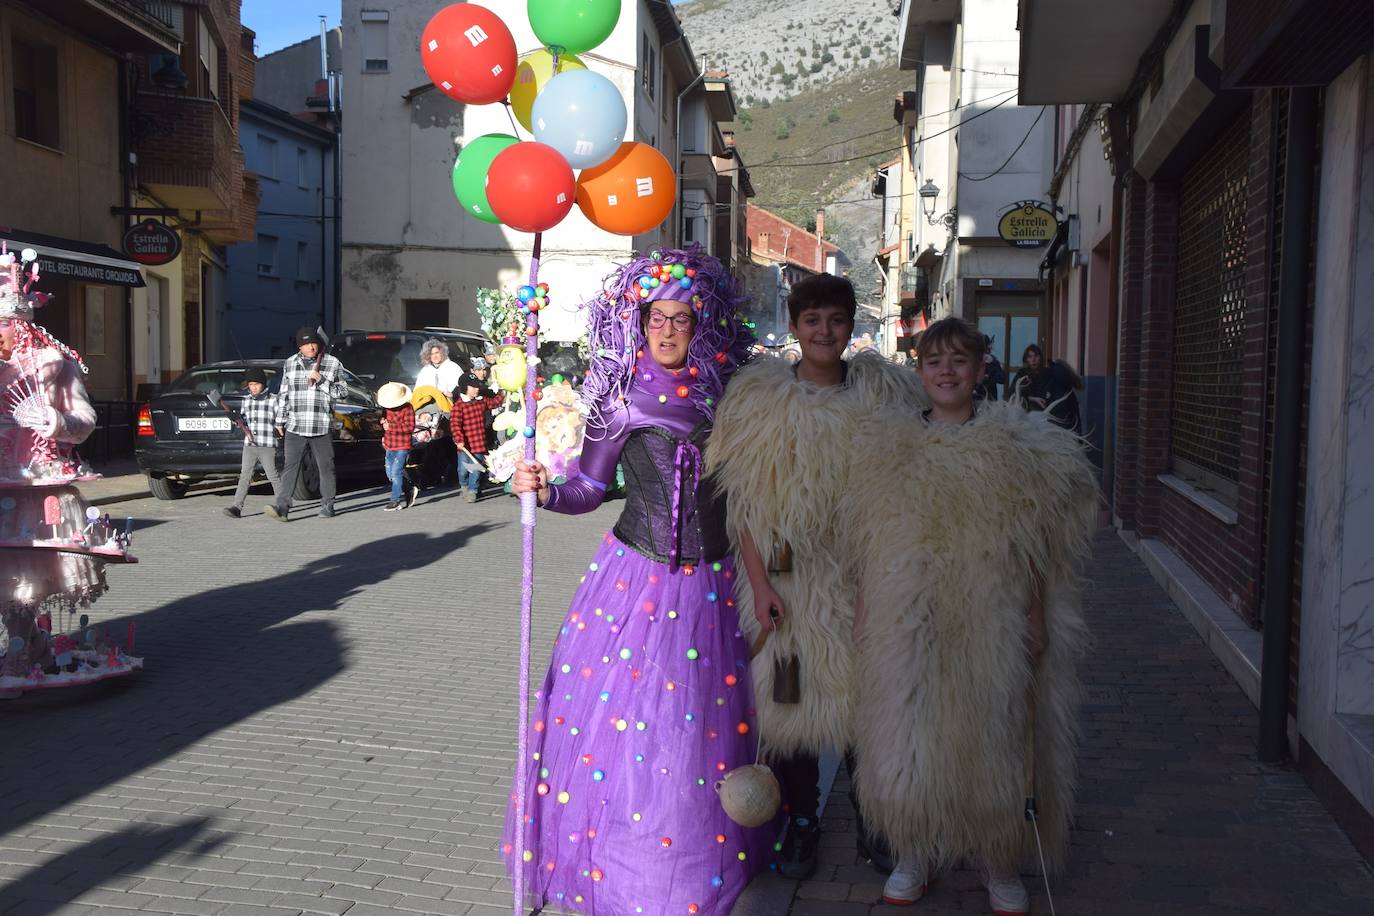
column 1029, row 130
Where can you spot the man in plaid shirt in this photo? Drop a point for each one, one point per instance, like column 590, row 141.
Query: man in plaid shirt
column 305, row 402
column 259, row 413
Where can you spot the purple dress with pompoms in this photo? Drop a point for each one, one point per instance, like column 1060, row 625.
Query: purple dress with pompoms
column 647, row 701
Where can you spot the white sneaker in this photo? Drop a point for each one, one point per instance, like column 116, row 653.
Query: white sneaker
column 1007, row 896
column 906, row 884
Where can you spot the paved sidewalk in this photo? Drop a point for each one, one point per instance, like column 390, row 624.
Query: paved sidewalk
column 1175, row 815
column 326, row 726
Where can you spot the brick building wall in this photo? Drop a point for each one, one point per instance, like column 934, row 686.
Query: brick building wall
column 1229, row 557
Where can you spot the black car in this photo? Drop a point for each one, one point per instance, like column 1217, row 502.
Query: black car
column 394, row 356
column 184, row 437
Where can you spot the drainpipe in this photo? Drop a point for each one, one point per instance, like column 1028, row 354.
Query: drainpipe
column 336, row 109
column 1288, row 384
column 126, row 194
column 677, row 160
column 324, row 223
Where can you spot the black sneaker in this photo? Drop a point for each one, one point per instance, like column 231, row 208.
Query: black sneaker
column 232, row 511
column 797, row 858
column 391, row 507
column 326, row 511
column 273, row 512
column 412, row 491
column 876, row 851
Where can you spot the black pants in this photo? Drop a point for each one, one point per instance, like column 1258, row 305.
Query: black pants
column 799, row 777
column 322, row 449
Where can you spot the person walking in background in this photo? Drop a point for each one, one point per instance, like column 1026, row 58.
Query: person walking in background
column 310, row 383
column 993, row 374
column 468, row 426
column 1027, row 384
column 436, row 369
column 1048, row 386
column 398, row 431
column 259, row 412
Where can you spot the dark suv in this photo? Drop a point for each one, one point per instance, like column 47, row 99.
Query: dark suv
column 379, row 357
column 184, row 437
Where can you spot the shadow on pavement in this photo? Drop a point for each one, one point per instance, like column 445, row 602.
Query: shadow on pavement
column 218, row 657
column 47, row 888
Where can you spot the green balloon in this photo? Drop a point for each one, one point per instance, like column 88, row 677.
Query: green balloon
column 573, row 25
column 470, row 173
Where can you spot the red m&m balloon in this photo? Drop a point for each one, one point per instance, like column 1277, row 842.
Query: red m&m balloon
column 469, row 53
column 531, row 187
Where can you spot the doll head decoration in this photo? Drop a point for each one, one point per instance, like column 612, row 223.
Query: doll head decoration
column 720, row 338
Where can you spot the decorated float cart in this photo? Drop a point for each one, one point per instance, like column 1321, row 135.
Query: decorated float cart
column 53, row 545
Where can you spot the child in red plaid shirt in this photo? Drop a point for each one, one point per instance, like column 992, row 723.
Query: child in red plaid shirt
column 398, row 428
column 468, row 425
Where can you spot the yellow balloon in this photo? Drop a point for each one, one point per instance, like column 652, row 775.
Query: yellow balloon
column 533, row 74
column 510, row 368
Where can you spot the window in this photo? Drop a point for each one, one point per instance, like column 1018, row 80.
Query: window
column 426, row 313
column 1209, row 314
column 209, row 61
column 375, row 39
column 35, row 92
column 302, row 168
column 266, row 164
column 648, row 63
column 267, row 255
column 303, row 273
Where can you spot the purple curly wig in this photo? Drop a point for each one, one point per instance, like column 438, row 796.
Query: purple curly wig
column 720, row 342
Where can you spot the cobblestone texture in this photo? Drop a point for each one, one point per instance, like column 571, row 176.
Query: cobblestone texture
column 325, row 726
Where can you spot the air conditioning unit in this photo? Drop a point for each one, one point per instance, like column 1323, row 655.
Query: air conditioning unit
column 265, row 269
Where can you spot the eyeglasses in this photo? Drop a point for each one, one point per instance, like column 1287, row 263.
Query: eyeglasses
column 682, row 321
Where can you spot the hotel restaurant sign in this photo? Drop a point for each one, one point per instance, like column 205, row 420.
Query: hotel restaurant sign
column 1028, row 224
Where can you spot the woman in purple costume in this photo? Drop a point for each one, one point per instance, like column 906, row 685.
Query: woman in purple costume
column 647, row 701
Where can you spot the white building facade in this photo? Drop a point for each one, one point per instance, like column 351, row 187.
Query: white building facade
column 411, row 256
column 974, row 154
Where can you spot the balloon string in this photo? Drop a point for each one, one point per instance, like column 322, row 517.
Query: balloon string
column 528, row 510
column 510, row 114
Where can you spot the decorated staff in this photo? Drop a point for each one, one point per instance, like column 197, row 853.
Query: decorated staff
column 579, row 121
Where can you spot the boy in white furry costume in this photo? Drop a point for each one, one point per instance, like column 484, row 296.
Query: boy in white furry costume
column 781, row 451
column 967, row 643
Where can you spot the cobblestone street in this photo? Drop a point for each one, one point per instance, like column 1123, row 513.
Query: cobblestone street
column 326, row 725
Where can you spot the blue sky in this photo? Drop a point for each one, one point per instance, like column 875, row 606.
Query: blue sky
column 280, row 23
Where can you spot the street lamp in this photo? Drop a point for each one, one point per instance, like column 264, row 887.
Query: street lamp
column 929, row 194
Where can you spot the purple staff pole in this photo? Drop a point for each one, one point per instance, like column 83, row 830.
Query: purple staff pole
column 529, row 507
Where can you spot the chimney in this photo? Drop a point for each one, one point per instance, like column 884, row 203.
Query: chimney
column 820, row 224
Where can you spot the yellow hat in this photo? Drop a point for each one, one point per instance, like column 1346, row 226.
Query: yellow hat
column 428, row 394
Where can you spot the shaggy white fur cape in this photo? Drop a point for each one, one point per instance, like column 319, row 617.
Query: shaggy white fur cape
column 944, row 676
column 782, row 450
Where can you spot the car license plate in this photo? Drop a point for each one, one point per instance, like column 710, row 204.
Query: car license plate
column 202, row 424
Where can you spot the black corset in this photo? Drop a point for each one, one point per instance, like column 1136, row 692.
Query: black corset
column 662, row 470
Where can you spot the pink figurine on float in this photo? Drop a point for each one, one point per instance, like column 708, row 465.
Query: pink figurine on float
column 44, row 415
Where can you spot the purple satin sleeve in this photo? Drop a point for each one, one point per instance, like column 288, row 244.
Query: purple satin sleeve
column 596, row 471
